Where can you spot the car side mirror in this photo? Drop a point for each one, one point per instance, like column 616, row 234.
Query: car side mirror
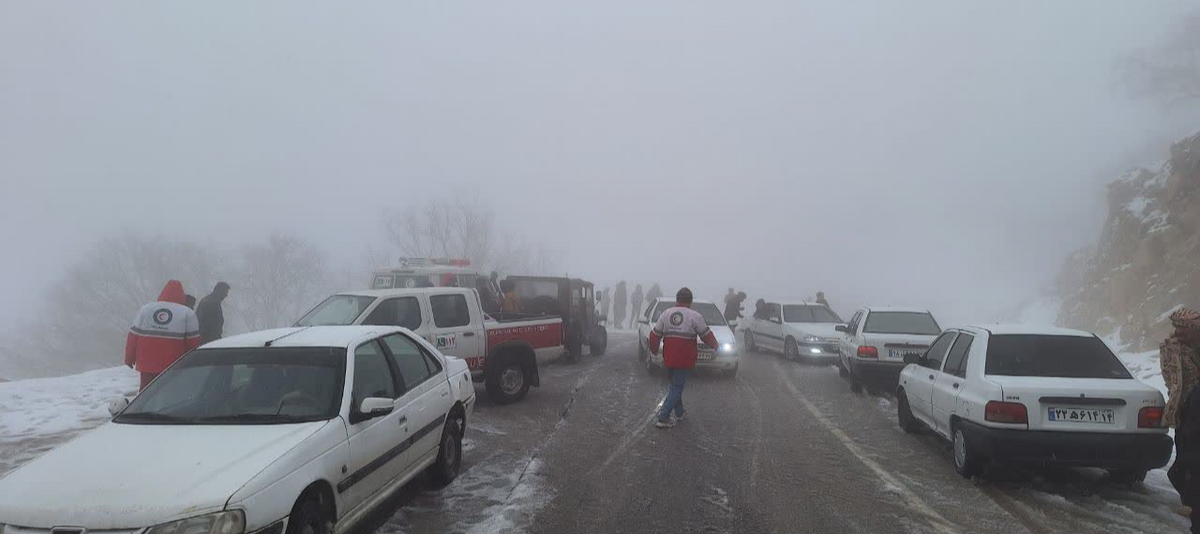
column 841, row 328
column 117, row 405
column 776, row 320
column 911, row 358
column 371, row 408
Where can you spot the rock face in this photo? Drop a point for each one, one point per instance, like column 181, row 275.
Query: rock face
column 1147, row 262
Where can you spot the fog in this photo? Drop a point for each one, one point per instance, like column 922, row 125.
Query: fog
column 939, row 154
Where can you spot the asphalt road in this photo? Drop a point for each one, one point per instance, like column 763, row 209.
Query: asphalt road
column 783, row 447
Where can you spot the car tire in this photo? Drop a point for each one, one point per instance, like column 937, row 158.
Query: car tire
column 790, row 352
column 506, row 381
column 449, row 458
column 598, row 345
column 855, row 383
column 1127, row 476
column 308, row 517
column 904, row 415
column 966, row 462
column 750, row 342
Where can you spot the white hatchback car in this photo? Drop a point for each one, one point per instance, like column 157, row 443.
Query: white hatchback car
column 297, row 430
column 1020, row 395
column 877, row 339
column 724, row 359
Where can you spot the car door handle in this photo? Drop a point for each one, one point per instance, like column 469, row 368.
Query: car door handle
column 931, row 377
column 955, row 386
column 468, row 334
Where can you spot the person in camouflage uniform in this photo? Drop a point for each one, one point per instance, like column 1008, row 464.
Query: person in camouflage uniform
column 1179, row 357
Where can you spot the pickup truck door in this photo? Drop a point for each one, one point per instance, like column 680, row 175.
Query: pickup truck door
column 377, row 446
column 397, row 311
column 920, row 386
column 950, row 382
column 457, row 325
column 426, row 396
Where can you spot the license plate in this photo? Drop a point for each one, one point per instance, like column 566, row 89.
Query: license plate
column 706, row 355
column 1081, row 415
column 896, row 354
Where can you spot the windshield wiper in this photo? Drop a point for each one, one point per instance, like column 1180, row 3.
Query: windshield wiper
column 251, row 418
column 152, row 417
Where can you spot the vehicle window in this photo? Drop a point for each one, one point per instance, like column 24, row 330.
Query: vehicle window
column 809, row 313
column 450, row 311
column 915, row 323
column 937, row 351
column 773, row 311
column 435, row 366
column 382, row 281
column 659, row 309
column 1052, row 356
column 712, row 314
column 405, row 311
column 372, row 374
column 852, row 328
column 336, row 310
column 956, row 362
column 538, row 297
column 265, row 385
column 410, row 360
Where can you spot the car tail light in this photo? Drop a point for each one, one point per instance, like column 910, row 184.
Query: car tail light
column 1150, row 417
column 868, row 352
column 1006, row 412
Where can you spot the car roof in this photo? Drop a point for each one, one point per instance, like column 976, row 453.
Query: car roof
column 304, row 336
column 403, row 291
column 1029, row 329
column 896, row 309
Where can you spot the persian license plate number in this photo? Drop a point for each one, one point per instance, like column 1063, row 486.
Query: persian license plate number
column 1081, row 415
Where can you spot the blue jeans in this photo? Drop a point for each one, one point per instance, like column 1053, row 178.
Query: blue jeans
column 674, row 400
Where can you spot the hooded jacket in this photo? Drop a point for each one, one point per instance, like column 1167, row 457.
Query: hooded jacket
column 162, row 331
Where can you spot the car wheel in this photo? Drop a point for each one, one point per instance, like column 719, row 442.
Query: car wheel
column 790, row 352
column 308, row 517
column 449, row 458
column 599, row 342
column 643, row 354
column 855, row 383
column 750, row 342
column 904, row 414
column 506, row 381
column 1127, row 476
column 966, row 463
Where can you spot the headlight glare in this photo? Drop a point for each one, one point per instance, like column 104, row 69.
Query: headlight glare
column 229, row 522
column 812, row 339
column 727, row 347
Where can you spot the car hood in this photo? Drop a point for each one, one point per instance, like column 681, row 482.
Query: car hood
column 123, row 476
column 724, row 334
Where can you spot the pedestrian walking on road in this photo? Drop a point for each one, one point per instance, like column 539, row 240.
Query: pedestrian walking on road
column 1179, row 357
column 733, row 308
column 606, row 304
column 620, row 301
column 636, row 304
column 211, row 314
column 677, row 328
column 162, row 331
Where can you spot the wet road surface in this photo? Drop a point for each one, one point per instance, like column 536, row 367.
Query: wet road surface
column 783, row 447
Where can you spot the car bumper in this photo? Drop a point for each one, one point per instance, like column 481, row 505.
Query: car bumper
column 722, row 362
column 817, row 350
column 864, row 365
column 1071, row 449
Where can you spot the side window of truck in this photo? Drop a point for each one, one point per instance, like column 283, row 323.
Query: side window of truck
column 450, row 311
column 404, row 311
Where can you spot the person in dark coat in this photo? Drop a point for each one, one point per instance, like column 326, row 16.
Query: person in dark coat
column 635, row 304
column 189, row 301
column 211, row 315
column 733, row 306
column 620, row 303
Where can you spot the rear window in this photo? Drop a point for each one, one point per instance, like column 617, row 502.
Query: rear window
column 807, row 313
column 915, row 323
column 1052, row 356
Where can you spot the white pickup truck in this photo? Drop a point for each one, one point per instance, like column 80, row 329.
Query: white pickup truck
column 503, row 353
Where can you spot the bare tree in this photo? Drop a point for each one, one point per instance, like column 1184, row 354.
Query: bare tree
column 277, row 281
column 1170, row 72
column 448, row 228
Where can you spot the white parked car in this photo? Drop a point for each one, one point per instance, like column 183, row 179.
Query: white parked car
column 724, row 359
column 1019, row 395
column 877, row 339
column 296, row 430
column 798, row 330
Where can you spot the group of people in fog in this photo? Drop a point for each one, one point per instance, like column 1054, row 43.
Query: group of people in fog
column 622, row 305
column 169, row 327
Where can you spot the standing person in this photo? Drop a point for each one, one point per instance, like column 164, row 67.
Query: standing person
column 606, row 304
column 1179, row 356
column 512, row 301
column 620, row 301
column 211, row 314
column 636, row 304
column 161, row 332
column 677, row 328
column 189, row 301
column 821, row 300
column 733, row 307
column 729, row 296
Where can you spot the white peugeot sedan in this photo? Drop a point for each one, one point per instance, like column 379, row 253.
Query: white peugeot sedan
column 799, row 330
column 725, row 359
column 1034, row 396
column 297, row 430
column 877, row 339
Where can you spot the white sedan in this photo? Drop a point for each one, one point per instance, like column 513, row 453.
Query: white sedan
column 297, row 430
column 1034, row 396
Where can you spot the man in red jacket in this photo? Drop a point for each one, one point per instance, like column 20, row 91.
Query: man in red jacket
column 678, row 328
column 162, row 331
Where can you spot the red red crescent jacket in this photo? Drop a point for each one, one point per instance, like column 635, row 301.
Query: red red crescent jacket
column 162, row 332
column 678, row 329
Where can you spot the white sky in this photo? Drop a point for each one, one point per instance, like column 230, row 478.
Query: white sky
column 938, row 153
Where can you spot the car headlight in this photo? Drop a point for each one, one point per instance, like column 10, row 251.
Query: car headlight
column 812, row 339
column 229, row 522
column 725, row 347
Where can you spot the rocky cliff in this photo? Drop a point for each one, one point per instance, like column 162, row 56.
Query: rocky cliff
column 1147, row 261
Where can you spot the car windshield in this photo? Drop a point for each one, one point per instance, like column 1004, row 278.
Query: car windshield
column 809, row 313
column 712, row 315
column 913, row 323
column 1052, row 356
column 336, row 310
column 244, row 386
